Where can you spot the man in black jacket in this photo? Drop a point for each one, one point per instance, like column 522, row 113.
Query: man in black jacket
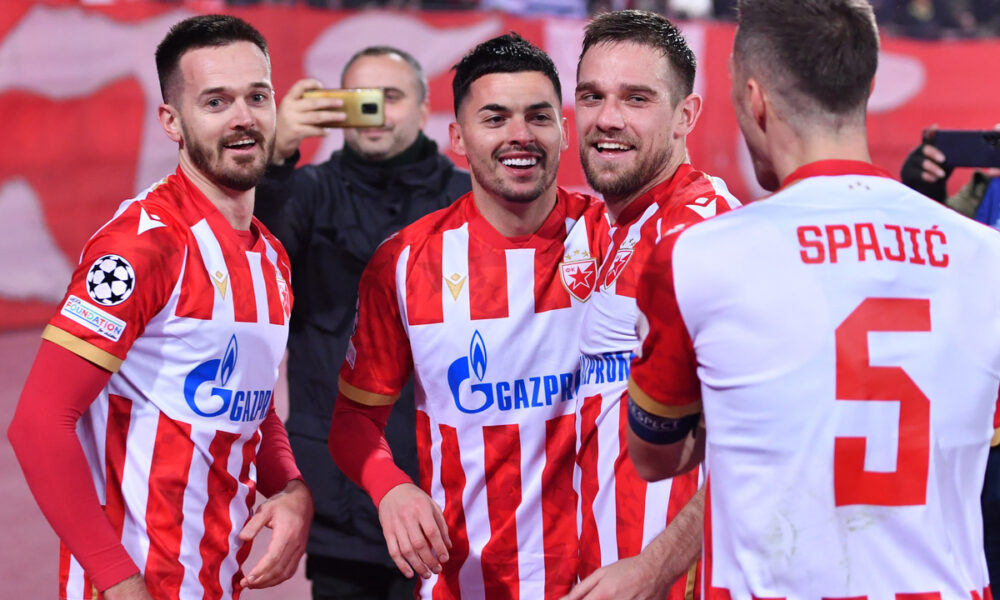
column 331, row 217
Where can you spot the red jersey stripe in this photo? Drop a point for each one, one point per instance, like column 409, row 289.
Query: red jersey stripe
column 221, row 488
column 240, row 280
column 249, row 456
column 630, row 493
column 424, row 465
column 550, row 293
column 558, row 500
column 424, row 303
column 172, row 454
column 197, row 295
column 590, row 543
column 487, row 280
column 920, row 596
column 119, row 418
column 451, row 471
column 502, row 459
column 64, row 561
column 275, row 313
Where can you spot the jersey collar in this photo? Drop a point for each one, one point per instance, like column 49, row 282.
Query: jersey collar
column 833, row 167
column 664, row 189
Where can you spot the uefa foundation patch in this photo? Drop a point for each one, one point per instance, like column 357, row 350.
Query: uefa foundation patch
column 93, row 318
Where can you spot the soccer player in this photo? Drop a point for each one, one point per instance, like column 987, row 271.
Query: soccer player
column 635, row 107
column 840, row 338
column 481, row 301
column 146, row 427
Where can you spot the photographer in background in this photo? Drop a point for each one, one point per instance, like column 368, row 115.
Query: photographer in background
column 926, row 170
column 331, row 217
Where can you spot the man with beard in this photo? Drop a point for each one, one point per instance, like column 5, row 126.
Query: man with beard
column 841, row 338
column 634, row 110
column 146, row 426
column 481, row 301
column 330, row 217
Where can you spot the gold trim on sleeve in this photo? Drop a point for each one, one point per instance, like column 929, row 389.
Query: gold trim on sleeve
column 83, row 349
column 362, row 397
column 659, row 409
column 996, row 438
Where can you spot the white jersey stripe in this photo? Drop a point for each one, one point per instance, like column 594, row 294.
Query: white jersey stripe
column 455, row 271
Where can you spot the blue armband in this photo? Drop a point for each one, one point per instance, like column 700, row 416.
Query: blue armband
column 659, row 430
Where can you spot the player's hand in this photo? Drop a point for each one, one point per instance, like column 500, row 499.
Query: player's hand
column 288, row 514
column 627, row 579
column 415, row 532
column 132, row 588
column 299, row 118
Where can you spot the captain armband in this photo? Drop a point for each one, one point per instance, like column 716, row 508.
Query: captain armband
column 659, row 430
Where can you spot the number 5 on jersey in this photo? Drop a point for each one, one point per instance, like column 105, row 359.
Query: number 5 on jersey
column 859, row 381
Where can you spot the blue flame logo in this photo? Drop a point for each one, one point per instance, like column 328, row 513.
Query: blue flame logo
column 477, row 354
column 229, row 361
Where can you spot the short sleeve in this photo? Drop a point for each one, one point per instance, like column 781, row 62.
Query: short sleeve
column 378, row 361
column 664, row 378
column 126, row 275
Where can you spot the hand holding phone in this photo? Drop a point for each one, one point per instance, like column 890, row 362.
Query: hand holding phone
column 364, row 107
column 966, row 148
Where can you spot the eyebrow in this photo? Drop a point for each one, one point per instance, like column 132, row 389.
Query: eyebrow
column 592, row 85
column 502, row 108
column 221, row 89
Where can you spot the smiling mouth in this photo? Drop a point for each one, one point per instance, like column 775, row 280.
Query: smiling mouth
column 612, row 147
column 520, row 163
column 242, row 144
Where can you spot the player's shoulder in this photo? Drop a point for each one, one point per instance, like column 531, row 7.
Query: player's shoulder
column 152, row 219
column 423, row 233
column 696, row 196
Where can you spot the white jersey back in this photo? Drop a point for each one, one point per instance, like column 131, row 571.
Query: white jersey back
column 847, row 338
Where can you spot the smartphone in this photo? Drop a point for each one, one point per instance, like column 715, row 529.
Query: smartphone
column 365, row 107
column 966, row 148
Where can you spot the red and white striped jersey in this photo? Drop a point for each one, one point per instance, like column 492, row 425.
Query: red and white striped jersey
column 193, row 327
column 842, row 339
column 490, row 328
column 620, row 513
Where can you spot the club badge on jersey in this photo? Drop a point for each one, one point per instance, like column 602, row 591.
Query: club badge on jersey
column 579, row 275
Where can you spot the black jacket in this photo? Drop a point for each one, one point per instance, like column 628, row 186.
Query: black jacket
column 331, row 217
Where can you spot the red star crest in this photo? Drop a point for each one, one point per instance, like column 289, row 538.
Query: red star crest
column 579, row 277
column 621, row 259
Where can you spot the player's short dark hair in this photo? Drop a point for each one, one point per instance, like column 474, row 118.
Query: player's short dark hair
column 646, row 29
column 418, row 70
column 508, row 53
column 201, row 32
column 824, row 50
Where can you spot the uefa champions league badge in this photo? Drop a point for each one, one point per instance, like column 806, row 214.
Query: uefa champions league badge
column 110, row 280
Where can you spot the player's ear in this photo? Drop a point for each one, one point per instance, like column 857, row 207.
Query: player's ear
column 170, row 120
column 687, row 112
column 565, row 133
column 455, row 135
column 759, row 104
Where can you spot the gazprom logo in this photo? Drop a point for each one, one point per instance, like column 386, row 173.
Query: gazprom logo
column 241, row 405
column 529, row 392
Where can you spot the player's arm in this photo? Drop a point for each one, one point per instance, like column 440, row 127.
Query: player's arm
column 287, row 512
column 59, row 389
column 664, row 409
column 649, row 575
column 377, row 365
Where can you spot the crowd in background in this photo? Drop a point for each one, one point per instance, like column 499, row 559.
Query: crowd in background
column 926, row 19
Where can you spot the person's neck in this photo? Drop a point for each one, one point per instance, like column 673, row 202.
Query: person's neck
column 794, row 151
column 235, row 205
column 514, row 219
column 617, row 204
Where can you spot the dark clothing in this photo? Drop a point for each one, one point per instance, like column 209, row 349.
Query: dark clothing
column 351, row 580
column 331, row 217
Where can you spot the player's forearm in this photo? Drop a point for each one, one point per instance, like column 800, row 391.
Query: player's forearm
column 676, row 549
column 358, row 446
column 58, row 390
column 275, row 462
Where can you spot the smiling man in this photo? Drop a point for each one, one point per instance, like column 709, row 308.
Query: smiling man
column 635, row 107
column 477, row 300
column 149, row 403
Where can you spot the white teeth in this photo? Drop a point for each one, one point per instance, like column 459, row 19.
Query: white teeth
column 611, row 146
column 520, row 162
column 242, row 143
